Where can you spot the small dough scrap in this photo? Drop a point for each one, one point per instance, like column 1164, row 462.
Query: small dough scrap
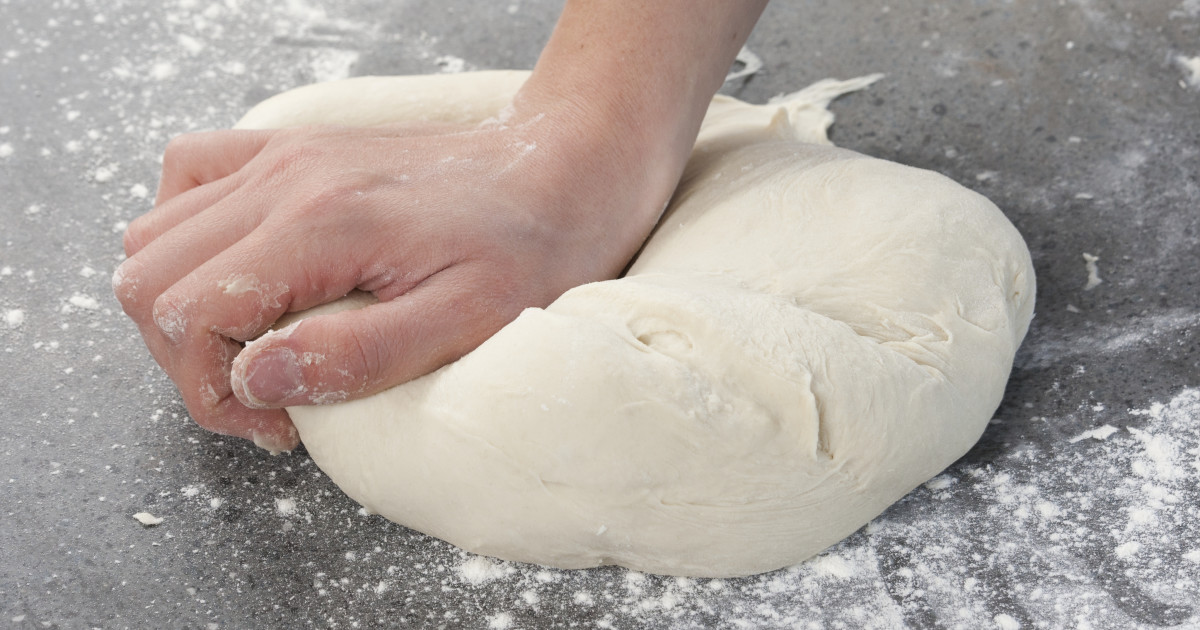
column 808, row 335
column 148, row 519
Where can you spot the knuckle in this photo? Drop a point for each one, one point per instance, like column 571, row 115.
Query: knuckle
column 290, row 159
column 179, row 148
column 125, row 286
column 322, row 205
column 171, row 317
column 364, row 356
column 326, row 204
column 122, row 284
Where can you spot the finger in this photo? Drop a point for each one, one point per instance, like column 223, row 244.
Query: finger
column 195, row 159
column 153, row 290
column 154, row 269
column 199, row 362
column 216, row 409
column 197, row 322
column 167, row 215
column 350, row 354
column 210, row 401
column 168, row 258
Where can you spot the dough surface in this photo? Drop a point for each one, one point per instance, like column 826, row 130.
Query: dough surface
column 808, row 335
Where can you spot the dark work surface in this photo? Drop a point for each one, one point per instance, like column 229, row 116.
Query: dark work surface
column 1075, row 117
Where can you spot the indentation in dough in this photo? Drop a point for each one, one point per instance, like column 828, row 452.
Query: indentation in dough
column 669, row 342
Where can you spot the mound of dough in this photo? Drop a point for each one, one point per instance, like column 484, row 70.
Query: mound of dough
column 807, row 336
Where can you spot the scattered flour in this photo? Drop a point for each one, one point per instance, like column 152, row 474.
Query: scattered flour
column 1187, row 9
column 1009, row 543
column 831, row 565
column 1129, row 335
column 85, row 302
column 285, row 506
column 1101, row 433
column 500, row 621
column 1191, row 70
column 1128, row 550
column 163, row 70
column 1006, row 622
column 14, row 317
column 332, row 64
column 477, row 570
column 449, row 64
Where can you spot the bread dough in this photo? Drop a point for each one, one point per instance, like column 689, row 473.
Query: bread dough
column 807, row 336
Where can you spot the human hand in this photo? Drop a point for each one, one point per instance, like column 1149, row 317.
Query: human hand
column 454, row 230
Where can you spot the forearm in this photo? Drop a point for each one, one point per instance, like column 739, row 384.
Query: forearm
column 641, row 73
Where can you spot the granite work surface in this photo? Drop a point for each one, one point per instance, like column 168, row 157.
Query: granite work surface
column 1079, row 508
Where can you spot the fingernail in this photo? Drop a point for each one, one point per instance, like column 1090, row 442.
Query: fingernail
column 272, row 377
column 275, row 444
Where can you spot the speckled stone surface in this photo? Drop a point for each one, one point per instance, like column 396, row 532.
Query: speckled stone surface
column 1078, row 509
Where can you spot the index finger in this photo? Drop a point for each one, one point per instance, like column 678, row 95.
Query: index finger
column 195, row 159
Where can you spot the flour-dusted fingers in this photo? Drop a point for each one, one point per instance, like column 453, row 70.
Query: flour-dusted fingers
column 196, row 159
column 167, row 258
column 270, row 429
column 353, row 353
column 198, row 324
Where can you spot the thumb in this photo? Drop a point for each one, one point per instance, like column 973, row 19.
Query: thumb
column 330, row 358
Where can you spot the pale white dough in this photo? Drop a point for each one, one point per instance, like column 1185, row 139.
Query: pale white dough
column 808, row 335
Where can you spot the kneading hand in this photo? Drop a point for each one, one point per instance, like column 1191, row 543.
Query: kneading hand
column 455, row 231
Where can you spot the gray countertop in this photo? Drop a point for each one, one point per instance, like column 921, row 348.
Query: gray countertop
column 1080, row 507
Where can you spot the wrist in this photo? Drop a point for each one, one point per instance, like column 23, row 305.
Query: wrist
column 646, row 72
column 654, row 126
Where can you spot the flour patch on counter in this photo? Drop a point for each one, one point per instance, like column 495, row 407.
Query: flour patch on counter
column 285, row 506
column 332, row 64
column 500, row 621
column 450, row 64
column 1131, row 335
column 1100, row 433
column 81, row 301
column 478, row 570
column 1191, row 70
column 1150, row 473
column 14, row 317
